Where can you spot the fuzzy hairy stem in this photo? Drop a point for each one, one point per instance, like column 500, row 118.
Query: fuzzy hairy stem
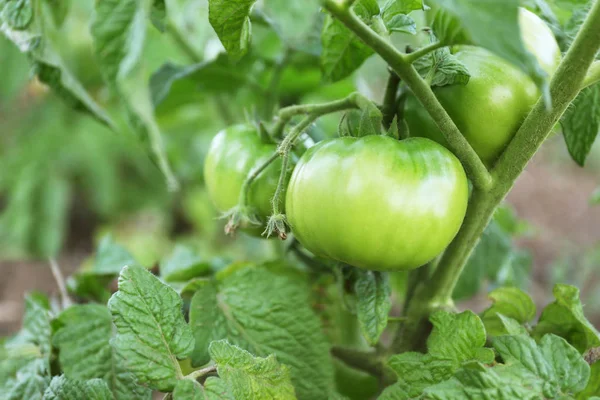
column 457, row 143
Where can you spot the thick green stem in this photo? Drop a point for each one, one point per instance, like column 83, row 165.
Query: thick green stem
column 593, row 75
column 200, row 373
column 564, row 87
column 368, row 362
column 398, row 62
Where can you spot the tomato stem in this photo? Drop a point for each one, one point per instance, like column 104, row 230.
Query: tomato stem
column 423, row 51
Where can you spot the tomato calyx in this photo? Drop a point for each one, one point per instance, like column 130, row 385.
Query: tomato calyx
column 239, row 217
column 278, row 225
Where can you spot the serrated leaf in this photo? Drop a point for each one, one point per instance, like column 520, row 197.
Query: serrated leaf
column 491, row 383
column 36, row 326
column 231, row 21
column 217, row 389
column 564, row 317
column 509, row 302
column 86, row 353
column 581, row 123
column 441, row 68
column 342, row 51
column 119, row 32
column 374, row 302
column 18, row 14
column 265, row 311
column 458, row 337
column 251, row 377
column 30, row 383
column 554, row 361
column 182, row 265
column 401, row 23
column 417, row 371
column 394, row 392
column 111, row 257
column 509, row 327
column 492, row 25
column 151, row 331
column 62, row 388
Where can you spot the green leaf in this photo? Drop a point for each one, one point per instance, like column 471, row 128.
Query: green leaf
column 593, row 387
column 251, row 377
column 111, row 257
column 508, row 326
column 231, row 21
column 394, row 392
column 62, row 388
column 402, row 23
column 187, row 389
column 342, row 51
column 458, row 337
column 36, row 326
column 490, row 24
column 374, row 302
column 581, row 123
column 119, row 32
column 265, row 310
column 89, row 286
column 30, row 383
column 555, row 362
column 151, row 331
column 441, row 68
column 564, row 317
column 491, row 383
column 417, row 371
column 509, row 302
column 395, row 7
column 18, row 14
column 51, row 70
column 292, row 20
column 394, row 15
column 85, row 351
column 182, row 265
column 218, row 75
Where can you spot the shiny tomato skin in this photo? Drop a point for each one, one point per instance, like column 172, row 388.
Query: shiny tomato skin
column 377, row 203
column 232, row 154
column 491, row 107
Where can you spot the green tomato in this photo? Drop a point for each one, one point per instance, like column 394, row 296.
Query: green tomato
column 233, row 153
column 377, row 203
column 491, row 107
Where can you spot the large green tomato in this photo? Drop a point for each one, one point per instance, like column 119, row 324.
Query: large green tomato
column 376, row 202
column 491, row 107
column 233, row 153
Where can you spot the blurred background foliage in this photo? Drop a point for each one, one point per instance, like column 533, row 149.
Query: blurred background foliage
column 68, row 184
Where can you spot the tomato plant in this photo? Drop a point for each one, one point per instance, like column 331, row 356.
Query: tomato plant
column 149, row 122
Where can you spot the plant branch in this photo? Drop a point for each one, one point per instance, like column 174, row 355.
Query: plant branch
column 398, row 62
column 593, row 75
column 423, row 51
column 195, row 375
column 60, row 282
column 390, row 100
